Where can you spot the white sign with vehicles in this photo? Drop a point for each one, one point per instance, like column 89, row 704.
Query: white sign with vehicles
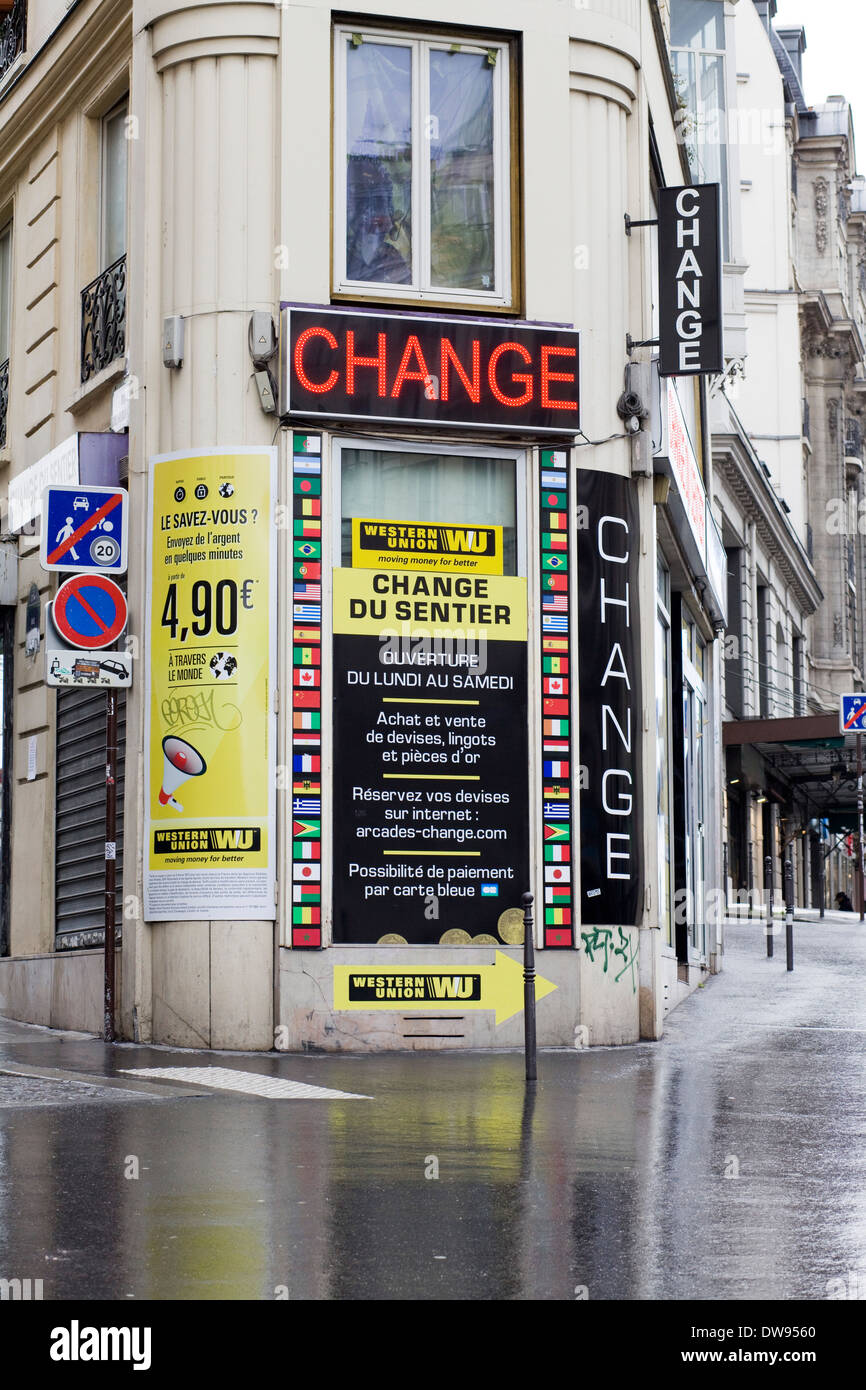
column 68, row 666
column 65, row 665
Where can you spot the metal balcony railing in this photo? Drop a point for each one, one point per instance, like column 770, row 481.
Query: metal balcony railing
column 103, row 320
column 13, row 34
column 4, row 399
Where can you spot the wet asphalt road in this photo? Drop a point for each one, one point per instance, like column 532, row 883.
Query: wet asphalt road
column 617, row 1177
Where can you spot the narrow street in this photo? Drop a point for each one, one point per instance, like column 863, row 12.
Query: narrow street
column 724, row 1162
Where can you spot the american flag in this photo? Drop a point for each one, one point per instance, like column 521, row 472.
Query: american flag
column 554, row 603
column 307, row 590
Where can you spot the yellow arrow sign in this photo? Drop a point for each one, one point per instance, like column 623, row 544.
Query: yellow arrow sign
column 498, row 986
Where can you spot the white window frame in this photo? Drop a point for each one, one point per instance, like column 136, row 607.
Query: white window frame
column 120, row 107
column 414, row 446
column 421, row 288
column 6, row 330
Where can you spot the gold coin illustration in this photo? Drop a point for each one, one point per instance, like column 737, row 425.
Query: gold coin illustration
column 392, row 938
column 485, row 939
column 455, row 937
column 510, row 926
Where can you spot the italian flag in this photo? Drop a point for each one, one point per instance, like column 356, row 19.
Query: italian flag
column 306, row 849
column 555, row 854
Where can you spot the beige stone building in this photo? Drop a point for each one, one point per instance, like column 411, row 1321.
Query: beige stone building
column 171, row 169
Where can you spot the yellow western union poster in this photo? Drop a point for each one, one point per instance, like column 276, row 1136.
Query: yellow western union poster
column 426, row 545
column 210, row 742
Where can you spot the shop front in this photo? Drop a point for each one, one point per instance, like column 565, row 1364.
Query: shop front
column 432, row 784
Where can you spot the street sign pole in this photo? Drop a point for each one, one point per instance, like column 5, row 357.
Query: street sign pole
column 860, row 823
column 110, row 857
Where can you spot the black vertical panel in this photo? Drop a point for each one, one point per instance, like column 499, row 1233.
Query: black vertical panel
column 79, row 850
column 7, row 647
column 690, row 280
column 611, row 824
column 678, row 777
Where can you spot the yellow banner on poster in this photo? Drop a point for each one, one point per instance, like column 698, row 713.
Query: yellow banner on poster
column 378, row 603
column 426, row 545
column 210, row 744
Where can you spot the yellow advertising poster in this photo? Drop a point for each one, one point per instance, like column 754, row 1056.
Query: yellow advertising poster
column 424, row 545
column 210, row 742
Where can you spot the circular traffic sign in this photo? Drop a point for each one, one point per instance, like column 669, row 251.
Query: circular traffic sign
column 104, row 550
column 90, row 611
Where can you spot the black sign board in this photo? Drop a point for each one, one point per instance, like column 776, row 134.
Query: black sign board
column 429, row 371
column 690, row 281
column 608, row 544
column 431, row 832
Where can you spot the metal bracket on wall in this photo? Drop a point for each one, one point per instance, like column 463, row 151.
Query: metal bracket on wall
column 632, row 343
column 644, row 222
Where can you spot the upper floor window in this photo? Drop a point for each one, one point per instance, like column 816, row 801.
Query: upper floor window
column 698, row 56
column 113, row 186
column 5, row 289
column 424, row 168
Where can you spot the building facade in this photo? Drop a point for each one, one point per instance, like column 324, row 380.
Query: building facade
column 425, row 611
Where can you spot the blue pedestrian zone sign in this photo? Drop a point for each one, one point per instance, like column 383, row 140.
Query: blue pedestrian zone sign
column 84, row 529
column 853, row 718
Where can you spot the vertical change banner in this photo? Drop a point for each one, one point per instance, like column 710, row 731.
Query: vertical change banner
column 210, row 745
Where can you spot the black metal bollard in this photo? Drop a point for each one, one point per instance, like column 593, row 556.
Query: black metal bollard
column 529, row 989
column 789, row 913
column 768, row 889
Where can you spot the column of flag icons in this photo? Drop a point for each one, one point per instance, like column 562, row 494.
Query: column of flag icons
column 556, row 718
column 306, row 691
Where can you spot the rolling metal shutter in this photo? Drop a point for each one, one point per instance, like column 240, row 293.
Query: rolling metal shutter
column 79, row 852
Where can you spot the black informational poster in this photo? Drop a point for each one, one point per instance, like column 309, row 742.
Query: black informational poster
column 611, row 832
column 431, row 825
column 690, row 281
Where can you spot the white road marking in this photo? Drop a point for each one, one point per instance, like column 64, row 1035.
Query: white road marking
column 252, row 1083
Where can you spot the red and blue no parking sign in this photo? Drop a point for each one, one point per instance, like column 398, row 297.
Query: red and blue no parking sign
column 90, row 611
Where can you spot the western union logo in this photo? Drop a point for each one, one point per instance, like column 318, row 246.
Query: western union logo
column 498, row 987
column 423, row 989
column 376, row 544
column 213, row 840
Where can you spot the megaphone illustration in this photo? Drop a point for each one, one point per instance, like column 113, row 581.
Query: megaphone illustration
column 181, row 761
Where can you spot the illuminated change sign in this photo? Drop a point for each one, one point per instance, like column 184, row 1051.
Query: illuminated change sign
column 429, row 371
